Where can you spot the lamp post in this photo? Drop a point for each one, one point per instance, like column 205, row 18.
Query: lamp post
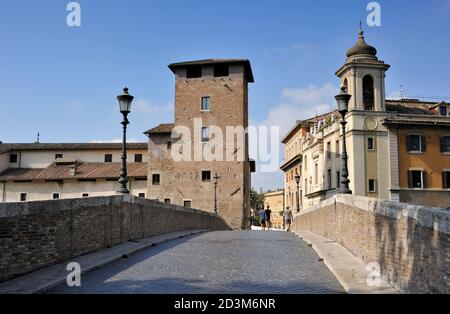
column 342, row 101
column 125, row 101
column 216, row 181
column 297, row 180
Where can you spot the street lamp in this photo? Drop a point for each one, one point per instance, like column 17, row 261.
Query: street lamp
column 125, row 101
column 297, row 180
column 216, row 181
column 342, row 101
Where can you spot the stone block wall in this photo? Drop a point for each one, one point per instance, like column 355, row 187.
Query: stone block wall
column 34, row 235
column 410, row 243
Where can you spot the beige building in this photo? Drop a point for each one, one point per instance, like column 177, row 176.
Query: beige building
column 375, row 134
column 184, row 156
column 275, row 199
column 32, row 172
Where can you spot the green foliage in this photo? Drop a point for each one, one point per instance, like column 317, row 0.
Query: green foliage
column 256, row 199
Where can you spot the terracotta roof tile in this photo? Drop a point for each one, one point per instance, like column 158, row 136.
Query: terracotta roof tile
column 70, row 146
column 83, row 171
column 164, row 128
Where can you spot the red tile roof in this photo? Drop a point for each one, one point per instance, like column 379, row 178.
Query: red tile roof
column 87, row 170
column 164, row 128
column 70, row 146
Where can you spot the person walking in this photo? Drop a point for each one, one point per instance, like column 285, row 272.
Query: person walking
column 288, row 218
column 262, row 217
column 268, row 212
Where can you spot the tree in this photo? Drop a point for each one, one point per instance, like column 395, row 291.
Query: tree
column 256, row 199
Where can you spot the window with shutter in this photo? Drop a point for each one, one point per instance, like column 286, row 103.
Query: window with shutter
column 408, row 143
column 410, row 184
column 446, row 179
column 416, row 179
column 423, row 143
column 424, row 180
column 445, row 144
column 415, row 143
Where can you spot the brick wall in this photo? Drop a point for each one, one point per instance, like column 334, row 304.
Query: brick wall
column 410, row 243
column 439, row 198
column 38, row 234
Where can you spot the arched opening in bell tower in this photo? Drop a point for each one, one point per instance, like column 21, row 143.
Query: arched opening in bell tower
column 368, row 93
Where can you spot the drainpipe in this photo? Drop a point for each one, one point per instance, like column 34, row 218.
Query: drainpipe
column 4, row 192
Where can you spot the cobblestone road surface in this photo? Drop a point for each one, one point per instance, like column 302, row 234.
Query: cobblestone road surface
column 216, row 262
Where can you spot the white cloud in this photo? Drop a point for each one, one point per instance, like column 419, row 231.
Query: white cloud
column 300, row 104
column 296, row 104
column 147, row 107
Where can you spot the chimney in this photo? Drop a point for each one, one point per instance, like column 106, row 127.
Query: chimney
column 73, row 170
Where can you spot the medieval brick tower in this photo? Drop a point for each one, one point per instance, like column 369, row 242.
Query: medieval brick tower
column 207, row 138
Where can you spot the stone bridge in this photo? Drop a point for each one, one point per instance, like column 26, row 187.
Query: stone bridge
column 130, row 245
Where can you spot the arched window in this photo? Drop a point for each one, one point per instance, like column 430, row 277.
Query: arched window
column 368, row 93
column 345, row 84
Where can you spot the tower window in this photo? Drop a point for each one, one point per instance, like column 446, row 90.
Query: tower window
column 206, row 176
column 205, row 134
column 206, row 103
column 194, row 71
column 156, row 179
column 368, row 93
column 221, row 70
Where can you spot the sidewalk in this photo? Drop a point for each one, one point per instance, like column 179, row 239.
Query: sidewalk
column 348, row 270
column 47, row 278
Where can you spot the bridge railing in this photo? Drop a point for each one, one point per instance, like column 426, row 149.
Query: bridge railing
column 409, row 243
column 34, row 235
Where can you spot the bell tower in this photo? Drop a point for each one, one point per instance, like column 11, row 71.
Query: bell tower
column 363, row 75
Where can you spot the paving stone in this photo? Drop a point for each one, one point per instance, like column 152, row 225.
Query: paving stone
column 216, row 262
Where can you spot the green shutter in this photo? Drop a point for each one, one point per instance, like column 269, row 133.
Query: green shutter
column 408, row 143
column 410, row 183
column 425, row 180
column 424, row 144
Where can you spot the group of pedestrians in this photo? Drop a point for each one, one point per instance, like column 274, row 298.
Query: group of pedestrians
column 265, row 218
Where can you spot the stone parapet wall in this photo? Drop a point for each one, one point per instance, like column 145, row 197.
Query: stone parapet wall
column 410, row 243
column 34, row 235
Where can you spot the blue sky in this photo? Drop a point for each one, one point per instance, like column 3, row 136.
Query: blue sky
column 62, row 82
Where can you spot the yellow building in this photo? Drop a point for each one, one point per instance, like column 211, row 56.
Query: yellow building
column 275, row 200
column 397, row 149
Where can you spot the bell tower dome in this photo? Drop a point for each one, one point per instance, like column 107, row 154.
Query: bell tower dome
column 363, row 75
